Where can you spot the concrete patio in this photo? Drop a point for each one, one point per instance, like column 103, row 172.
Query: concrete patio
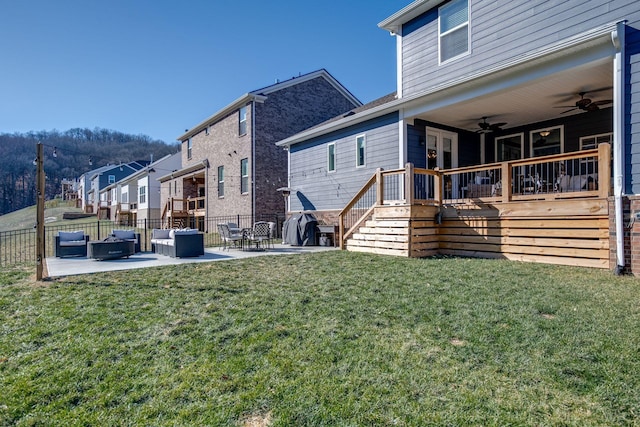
column 57, row 267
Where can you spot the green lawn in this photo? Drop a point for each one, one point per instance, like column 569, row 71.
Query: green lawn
column 327, row 339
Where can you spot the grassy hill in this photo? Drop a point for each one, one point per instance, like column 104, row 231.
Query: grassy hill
column 26, row 218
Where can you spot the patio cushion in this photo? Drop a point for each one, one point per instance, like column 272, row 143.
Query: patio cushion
column 187, row 231
column 71, row 236
column 124, row 234
column 159, row 234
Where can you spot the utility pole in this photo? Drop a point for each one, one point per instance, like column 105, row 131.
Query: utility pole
column 40, row 256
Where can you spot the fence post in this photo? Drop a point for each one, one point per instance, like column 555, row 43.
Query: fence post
column 145, row 234
column 98, row 228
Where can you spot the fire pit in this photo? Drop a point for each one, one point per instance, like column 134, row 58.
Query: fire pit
column 110, row 248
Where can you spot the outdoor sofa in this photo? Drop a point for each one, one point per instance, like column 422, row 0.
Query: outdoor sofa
column 129, row 236
column 177, row 243
column 71, row 243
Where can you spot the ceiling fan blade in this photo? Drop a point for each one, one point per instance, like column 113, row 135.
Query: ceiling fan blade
column 499, row 124
column 574, row 108
column 603, row 102
column 583, row 102
column 565, row 106
column 592, row 107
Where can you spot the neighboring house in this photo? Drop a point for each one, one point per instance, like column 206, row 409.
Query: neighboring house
column 86, row 194
column 485, row 90
column 103, row 177
column 135, row 199
column 231, row 166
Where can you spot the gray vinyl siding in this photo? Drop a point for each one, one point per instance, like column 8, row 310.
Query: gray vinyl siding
column 633, row 107
column 318, row 189
column 501, row 31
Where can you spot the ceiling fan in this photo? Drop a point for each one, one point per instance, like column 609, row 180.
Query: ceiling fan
column 585, row 104
column 486, row 127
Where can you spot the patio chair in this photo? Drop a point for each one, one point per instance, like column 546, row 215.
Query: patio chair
column 228, row 237
column 259, row 234
column 71, row 243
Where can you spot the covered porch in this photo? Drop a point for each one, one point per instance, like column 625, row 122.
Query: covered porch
column 551, row 209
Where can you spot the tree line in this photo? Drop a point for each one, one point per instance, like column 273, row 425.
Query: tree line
column 67, row 155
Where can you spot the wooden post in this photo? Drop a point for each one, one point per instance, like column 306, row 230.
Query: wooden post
column 40, row 255
column 507, row 179
column 604, row 169
column 437, row 186
column 379, row 187
column 341, row 231
column 408, row 184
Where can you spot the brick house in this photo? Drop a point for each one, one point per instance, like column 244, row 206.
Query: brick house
column 231, row 166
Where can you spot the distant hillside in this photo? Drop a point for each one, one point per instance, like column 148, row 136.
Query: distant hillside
column 74, row 149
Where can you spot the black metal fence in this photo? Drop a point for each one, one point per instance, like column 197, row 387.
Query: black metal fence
column 19, row 246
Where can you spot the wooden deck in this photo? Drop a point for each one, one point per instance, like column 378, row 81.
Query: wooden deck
column 549, row 226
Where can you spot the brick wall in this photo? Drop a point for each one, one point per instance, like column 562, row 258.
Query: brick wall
column 631, row 207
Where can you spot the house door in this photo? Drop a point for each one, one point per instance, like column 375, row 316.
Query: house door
column 442, row 152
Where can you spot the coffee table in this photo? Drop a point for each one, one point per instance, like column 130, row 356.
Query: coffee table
column 113, row 249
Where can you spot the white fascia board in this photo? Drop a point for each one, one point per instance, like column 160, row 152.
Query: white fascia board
column 394, row 23
column 243, row 100
column 443, row 94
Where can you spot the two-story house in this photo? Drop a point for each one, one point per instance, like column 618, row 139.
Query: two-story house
column 489, row 146
column 99, row 199
column 135, row 199
column 231, row 166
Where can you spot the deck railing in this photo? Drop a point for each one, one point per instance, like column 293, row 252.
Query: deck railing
column 581, row 174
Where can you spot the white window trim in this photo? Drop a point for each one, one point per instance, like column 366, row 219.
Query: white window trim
column 595, row 137
column 335, row 157
column 537, row 131
column 364, row 151
column 521, row 135
column 440, row 35
column 242, row 177
column 221, row 181
column 189, row 148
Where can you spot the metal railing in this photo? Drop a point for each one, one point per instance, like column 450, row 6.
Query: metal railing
column 19, row 246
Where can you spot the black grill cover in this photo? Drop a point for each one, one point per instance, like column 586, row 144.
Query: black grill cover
column 300, row 230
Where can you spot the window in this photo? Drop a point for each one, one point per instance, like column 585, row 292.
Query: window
column 548, row 141
column 206, row 130
column 220, row 181
column 453, row 37
column 112, row 179
column 142, row 194
column 125, row 197
column 589, row 142
column 243, row 121
column 189, row 148
column 510, row 147
column 331, row 157
column 360, row 150
column 244, row 176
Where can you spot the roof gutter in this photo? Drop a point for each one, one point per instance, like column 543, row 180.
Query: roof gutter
column 243, row 100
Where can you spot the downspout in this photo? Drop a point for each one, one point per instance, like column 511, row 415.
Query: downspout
column 253, row 160
column 618, row 40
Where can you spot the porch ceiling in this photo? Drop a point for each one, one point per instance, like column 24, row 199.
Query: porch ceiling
column 531, row 102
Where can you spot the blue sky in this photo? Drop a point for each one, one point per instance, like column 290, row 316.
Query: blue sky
column 158, row 67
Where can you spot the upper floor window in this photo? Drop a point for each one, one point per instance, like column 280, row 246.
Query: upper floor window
column 142, row 194
column 112, row 179
column 243, row 121
column 220, row 181
column 360, row 150
column 589, row 142
column 244, row 176
column 453, row 29
column 331, row 157
column 189, row 148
